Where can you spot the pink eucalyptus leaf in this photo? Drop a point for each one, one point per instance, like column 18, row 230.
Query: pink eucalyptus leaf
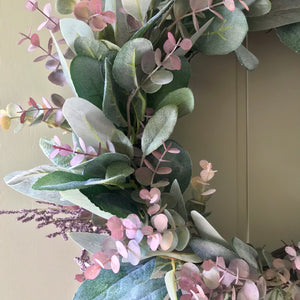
column 32, row 102
column 47, row 9
column 190, row 270
column 138, row 236
column 65, row 150
column 290, row 251
column 134, row 252
column 50, row 45
column 122, row 250
column 208, row 264
column 23, row 117
column 206, row 175
column 168, row 46
column 157, row 57
column 143, row 175
column 198, row 5
column 46, row 103
column 109, row 246
column 51, row 64
column 31, row 5
column 200, row 295
column 186, row 44
column 167, row 240
column 81, row 10
column 40, row 58
column 135, row 220
column 47, row 114
column 102, row 259
column 244, row 4
column 95, row 6
column 144, row 194
column 174, row 150
column 53, row 24
column 248, row 292
column 22, row 40
column 262, row 287
column 203, row 164
column 217, row 14
column 172, row 63
column 115, row 264
column 187, row 283
column 297, row 262
column 97, row 23
column 31, row 48
column 228, row 279
column 35, row 40
column 57, row 140
column 186, row 297
column 157, row 154
column 92, row 271
column 147, row 230
column 77, row 159
column 153, row 209
column 229, row 4
column 82, row 144
column 171, row 38
column 211, row 278
column 153, row 240
column 148, row 62
column 109, row 17
column 195, row 22
column 160, row 222
column 155, row 195
column 80, row 277
column 91, row 151
column 57, row 77
column 148, row 165
column 164, row 170
column 42, row 25
column 59, row 117
column 208, row 192
column 116, row 227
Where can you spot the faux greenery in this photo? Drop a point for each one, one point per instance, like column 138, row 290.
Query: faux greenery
column 122, row 181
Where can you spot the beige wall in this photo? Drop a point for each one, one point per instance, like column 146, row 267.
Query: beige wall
column 247, row 125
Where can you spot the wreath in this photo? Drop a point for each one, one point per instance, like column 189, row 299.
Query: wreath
column 121, row 185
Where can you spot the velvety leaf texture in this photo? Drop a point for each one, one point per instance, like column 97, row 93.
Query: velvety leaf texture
column 132, row 283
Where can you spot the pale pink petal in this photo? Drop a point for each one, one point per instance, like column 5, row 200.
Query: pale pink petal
column 56, row 139
column 109, row 17
column 47, row 9
column 155, row 195
column 211, row 278
column 77, row 159
column 82, row 144
column 135, row 220
column 147, row 230
column 134, row 252
column 160, row 222
column 122, row 249
column 290, row 251
column 168, row 46
column 248, row 292
column 153, row 240
column 145, row 194
column 138, row 236
column 116, row 227
column 115, row 263
column 53, row 153
column 91, row 151
column 171, row 38
column 97, row 23
column 102, row 259
column 81, row 10
column 92, row 271
column 167, row 240
column 297, row 262
column 95, row 6
column 153, row 209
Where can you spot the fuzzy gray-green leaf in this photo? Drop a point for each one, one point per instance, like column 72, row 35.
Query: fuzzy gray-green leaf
column 246, row 58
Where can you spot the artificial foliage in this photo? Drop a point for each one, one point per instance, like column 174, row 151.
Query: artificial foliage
column 121, row 185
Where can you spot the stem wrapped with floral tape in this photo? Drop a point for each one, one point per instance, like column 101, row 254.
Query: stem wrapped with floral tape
column 125, row 187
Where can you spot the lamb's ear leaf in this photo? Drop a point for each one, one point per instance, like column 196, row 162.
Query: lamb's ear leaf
column 131, row 282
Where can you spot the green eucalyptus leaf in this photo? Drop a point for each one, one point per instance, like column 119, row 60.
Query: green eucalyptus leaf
column 97, row 167
column 88, row 122
column 180, row 164
column 211, row 250
column 137, row 8
column 183, row 98
column 224, row 36
column 152, row 22
column 78, row 198
column 162, row 77
column 65, row 7
column 246, row 252
column 90, row 47
column 180, row 80
column 88, row 79
column 290, row 36
column 58, row 160
column 126, row 60
column 248, row 60
column 110, row 102
column 206, row 230
column 282, row 13
column 171, row 285
column 184, row 236
column 71, row 29
column 159, row 128
column 138, row 105
column 150, row 87
column 130, row 282
column 121, row 143
column 259, row 8
column 64, row 65
column 89, row 241
column 180, row 203
column 22, row 182
column 186, row 257
column 117, row 202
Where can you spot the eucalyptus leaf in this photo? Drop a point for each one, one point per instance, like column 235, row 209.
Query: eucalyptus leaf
column 184, row 236
column 137, row 8
column 245, row 251
column 121, row 143
column 159, row 128
column 162, row 77
column 180, row 164
column 290, row 36
column 183, row 98
column 150, row 87
column 206, row 250
column 206, row 230
column 259, row 8
column 58, row 160
column 224, row 36
column 22, row 182
column 171, row 285
column 73, row 28
column 64, row 65
column 65, row 7
column 88, row 79
column 89, row 241
column 90, row 47
column 186, row 257
column 126, row 60
column 130, row 282
column 246, row 58
column 110, row 101
column 282, row 13
column 88, row 122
